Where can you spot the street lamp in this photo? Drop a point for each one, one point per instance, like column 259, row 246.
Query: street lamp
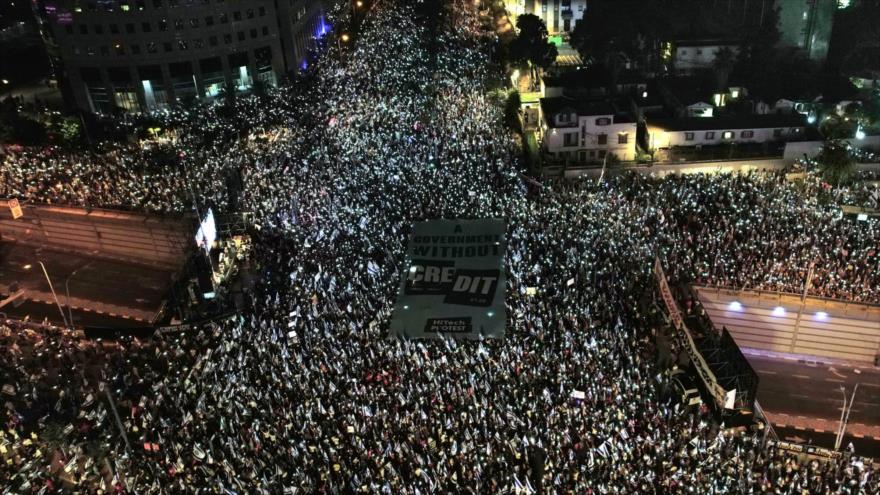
column 46, row 273
column 797, row 322
column 844, row 416
column 343, row 38
column 67, row 290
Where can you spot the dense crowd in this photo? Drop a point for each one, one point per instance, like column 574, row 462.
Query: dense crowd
column 301, row 392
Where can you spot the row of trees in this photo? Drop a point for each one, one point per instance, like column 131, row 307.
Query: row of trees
column 33, row 128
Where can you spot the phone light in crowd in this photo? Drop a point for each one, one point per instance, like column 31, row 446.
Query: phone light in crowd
column 735, row 306
column 811, row 119
column 490, row 314
column 405, row 306
column 821, row 315
column 778, row 311
column 860, row 134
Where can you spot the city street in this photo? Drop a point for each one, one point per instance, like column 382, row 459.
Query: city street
column 803, row 398
column 97, row 286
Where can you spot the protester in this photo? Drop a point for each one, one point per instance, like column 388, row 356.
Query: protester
column 302, row 392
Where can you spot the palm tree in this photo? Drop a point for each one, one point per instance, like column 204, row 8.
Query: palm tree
column 723, row 65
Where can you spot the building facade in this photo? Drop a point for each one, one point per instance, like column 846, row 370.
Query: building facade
column 807, row 24
column 144, row 55
column 560, row 16
column 581, row 132
column 691, row 56
column 713, row 131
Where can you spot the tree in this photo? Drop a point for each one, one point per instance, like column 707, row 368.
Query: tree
column 69, row 129
column 511, row 110
column 836, row 127
column 835, row 161
column 531, row 48
column 722, row 66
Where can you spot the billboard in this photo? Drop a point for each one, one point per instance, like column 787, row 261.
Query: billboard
column 207, row 233
column 453, row 281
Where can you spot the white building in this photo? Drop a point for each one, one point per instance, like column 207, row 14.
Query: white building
column 689, row 56
column 561, row 16
column 711, row 131
column 582, row 132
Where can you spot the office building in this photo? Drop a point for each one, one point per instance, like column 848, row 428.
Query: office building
column 144, row 55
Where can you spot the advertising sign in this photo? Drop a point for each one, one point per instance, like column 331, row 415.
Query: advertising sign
column 453, row 281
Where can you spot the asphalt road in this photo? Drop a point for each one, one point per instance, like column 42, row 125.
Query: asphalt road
column 808, row 391
column 102, row 281
column 801, row 389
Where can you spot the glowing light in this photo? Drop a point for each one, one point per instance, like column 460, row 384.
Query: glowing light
column 811, row 119
column 344, row 37
column 735, row 306
column 27, row 267
column 490, row 314
column 821, row 315
column 778, row 311
column 322, row 28
column 860, row 134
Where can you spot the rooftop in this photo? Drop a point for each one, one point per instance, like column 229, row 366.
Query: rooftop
column 695, row 42
column 729, row 122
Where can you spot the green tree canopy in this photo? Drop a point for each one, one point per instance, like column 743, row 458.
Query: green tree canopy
column 531, row 47
column 835, row 161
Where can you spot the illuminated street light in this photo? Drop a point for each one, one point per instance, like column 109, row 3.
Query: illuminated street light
column 359, row 3
column 345, row 37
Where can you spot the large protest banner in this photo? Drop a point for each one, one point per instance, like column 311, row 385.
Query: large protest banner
column 453, row 281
